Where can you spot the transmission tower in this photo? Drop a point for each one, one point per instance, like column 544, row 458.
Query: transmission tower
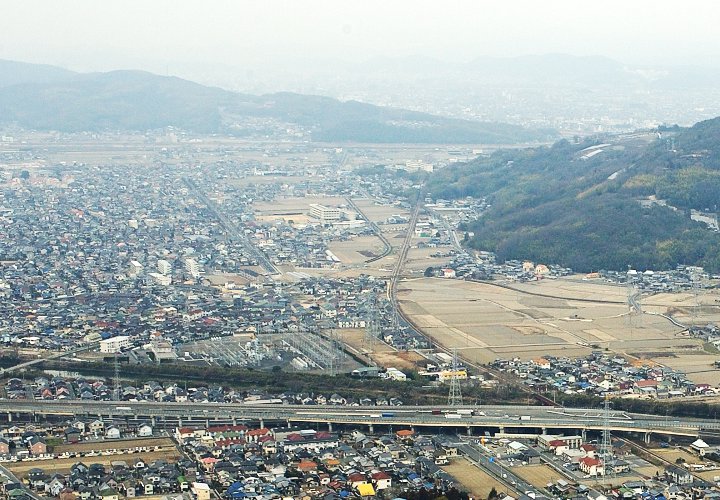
column 455, row 394
column 606, row 452
column 634, row 316
column 372, row 328
column 336, row 354
column 696, row 287
column 117, row 390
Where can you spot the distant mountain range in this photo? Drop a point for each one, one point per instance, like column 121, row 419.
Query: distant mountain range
column 544, row 69
column 50, row 98
column 601, row 204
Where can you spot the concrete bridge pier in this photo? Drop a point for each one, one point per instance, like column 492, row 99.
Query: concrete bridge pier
column 9, row 416
column 371, row 428
column 153, row 420
column 647, row 437
column 469, row 431
column 501, row 429
column 583, row 434
column 262, row 423
column 330, row 429
column 544, row 431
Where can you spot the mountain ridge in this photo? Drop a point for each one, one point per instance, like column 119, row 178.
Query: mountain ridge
column 138, row 100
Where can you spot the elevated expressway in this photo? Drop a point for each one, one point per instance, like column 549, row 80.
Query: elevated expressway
column 499, row 420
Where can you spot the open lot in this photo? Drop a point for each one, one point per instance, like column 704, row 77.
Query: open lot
column 356, row 250
column 20, row 469
column 116, row 444
column 555, row 317
column 379, row 213
column 378, row 351
column 292, row 206
column 673, row 454
column 475, row 481
column 419, row 259
column 538, row 475
column 710, row 475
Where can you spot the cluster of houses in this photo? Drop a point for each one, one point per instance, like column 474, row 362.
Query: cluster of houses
column 709, row 333
column 98, row 251
column 293, row 462
column 586, row 475
column 602, row 373
column 462, row 265
column 682, row 278
column 99, row 390
column 121, row 479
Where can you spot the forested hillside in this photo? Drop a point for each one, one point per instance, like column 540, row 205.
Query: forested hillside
column 570, row 205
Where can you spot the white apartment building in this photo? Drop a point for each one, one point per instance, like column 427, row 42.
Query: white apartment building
column 325, row 214
column 192, row 267
column 164, row 266
column 114, row 344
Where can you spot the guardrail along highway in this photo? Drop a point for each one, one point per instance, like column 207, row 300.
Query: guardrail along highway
column 503, row 418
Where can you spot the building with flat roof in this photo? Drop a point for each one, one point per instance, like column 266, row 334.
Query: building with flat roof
column 325, row 214
column 192, row 267
column 164, row 266
column 159, row 279
column 115, row 344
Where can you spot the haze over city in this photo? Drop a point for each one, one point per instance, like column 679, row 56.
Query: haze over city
column 409, row 250
column 177, row 37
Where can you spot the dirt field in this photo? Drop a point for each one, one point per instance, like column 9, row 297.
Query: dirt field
column 117, row 444
column 379, row 351
column 673, row 454
column 697, row 365
column 537, row 475
column 556, row 317
column 710, row 475
column 475, row 481
column 288, row 207
column 379, row 213
column 357, row 250
column 420, row 259
column 20, row 469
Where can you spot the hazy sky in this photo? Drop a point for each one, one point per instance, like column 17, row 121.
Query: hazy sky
column 153, row 34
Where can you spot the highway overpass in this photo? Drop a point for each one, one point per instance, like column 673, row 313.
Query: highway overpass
column 502, row 419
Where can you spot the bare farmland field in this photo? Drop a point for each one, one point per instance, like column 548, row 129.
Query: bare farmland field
column 557, row 317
